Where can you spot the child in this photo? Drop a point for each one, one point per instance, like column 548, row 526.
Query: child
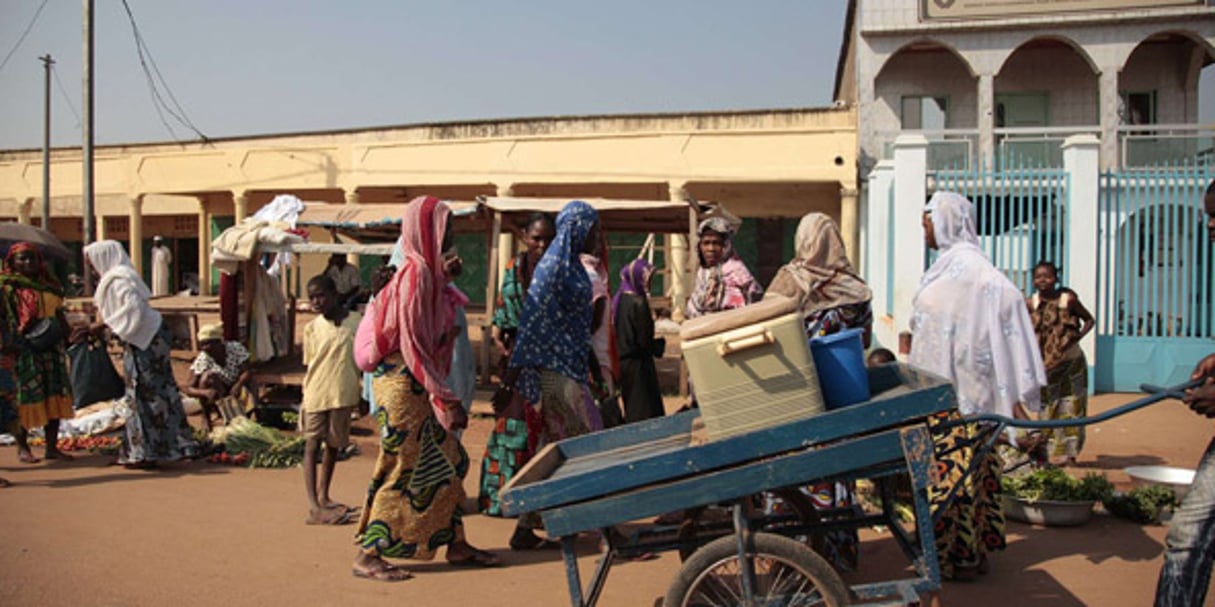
column 331, row 394
column 879, row 357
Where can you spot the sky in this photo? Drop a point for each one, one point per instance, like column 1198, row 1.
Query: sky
column 240, row 67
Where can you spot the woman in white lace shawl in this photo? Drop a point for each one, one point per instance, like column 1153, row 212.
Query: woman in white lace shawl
column 971, row 326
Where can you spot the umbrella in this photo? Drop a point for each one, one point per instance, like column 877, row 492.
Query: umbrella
column 13, row 233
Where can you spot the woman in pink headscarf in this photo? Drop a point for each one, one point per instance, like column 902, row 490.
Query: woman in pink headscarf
column 407, row 338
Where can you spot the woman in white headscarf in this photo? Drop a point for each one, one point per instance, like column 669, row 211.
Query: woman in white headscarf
column 970, row 325
column 156, row 429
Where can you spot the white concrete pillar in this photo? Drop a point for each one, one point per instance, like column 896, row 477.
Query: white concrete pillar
column 987, row 119
column 204, row 247
column 240, row 204
column 910, row 195
column 135, row 233
column 1107, row 88
column 1081, row 161
column 849, row 226
column 879, row 252
column 678, row 277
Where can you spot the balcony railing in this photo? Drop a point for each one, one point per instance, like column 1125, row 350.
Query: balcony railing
column 1159, row 145
column 1036, row 145
column 1139, row 146
column 948, row 149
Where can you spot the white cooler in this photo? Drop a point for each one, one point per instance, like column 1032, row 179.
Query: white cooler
column 751, row 368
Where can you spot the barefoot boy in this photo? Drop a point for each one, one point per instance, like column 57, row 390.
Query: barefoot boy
column 331, row 394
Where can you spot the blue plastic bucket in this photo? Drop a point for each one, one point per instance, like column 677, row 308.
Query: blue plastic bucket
column 839, row 359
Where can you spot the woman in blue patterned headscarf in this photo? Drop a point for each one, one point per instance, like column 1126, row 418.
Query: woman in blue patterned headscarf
column 549, row 364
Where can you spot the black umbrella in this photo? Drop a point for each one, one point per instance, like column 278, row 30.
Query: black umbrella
column 52, row 247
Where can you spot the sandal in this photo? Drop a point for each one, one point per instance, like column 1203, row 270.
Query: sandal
column 387, row 572
column 526, row 540
column 27, row 458
column 479, row 558
column 328, row 517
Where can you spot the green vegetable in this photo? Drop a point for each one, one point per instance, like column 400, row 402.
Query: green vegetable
column 1143, row 505
column 267, row 447
column 1053, row 484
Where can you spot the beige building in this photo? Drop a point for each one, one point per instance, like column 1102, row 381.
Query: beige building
column 771, row 166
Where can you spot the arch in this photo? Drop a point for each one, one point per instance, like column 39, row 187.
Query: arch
column 924, row 44
column 1075, row 46
column 1190, row 35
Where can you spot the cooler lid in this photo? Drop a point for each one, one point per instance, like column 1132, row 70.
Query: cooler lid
column 772, row 306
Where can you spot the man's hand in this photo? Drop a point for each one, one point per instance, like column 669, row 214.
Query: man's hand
column 1202, row 398
column 1205, row 368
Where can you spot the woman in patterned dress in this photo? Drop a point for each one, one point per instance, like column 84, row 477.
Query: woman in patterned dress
column 550, row 361
column 1061, row 321
column 833, row 298
column 970, row 326
column 156, row 429
column 722, row 279
column 517, row 428
column 406, row 338
column 41, row 392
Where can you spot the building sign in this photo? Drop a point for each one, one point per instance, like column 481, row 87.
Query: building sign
column 985, row 9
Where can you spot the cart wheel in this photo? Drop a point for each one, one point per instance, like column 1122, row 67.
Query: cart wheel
column 786, row 573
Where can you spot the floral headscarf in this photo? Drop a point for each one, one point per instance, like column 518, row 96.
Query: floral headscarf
column 728, row 284
column 555, row 330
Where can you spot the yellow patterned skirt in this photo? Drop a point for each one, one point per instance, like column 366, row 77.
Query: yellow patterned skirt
column 414, row 502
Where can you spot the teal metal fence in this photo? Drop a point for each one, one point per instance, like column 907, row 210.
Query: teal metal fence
column 1020, row 213
column 1155, row 262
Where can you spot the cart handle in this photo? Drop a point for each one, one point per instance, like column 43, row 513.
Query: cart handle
column 731, row 346
column 1155, row 394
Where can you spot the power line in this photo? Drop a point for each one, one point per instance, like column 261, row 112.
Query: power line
column 145, row 57
column 66, row 98
column 24, row 34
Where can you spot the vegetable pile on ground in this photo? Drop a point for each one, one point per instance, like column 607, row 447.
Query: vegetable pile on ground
column 246, row 442
column 106, row 445
column 1144, row 505
column 1055, row 485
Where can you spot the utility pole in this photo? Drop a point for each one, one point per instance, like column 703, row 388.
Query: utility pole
column 47, row 62
column 87, row 193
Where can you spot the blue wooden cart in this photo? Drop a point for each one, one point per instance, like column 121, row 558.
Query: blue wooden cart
column 596, row 481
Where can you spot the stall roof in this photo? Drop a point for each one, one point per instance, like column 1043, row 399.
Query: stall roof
column 376, row 222
column 665, row 216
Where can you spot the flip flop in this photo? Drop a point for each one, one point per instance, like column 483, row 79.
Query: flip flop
column 28, row 458
column 387, row 573
column 328, row 517
column 479, row 559
column 538, row 543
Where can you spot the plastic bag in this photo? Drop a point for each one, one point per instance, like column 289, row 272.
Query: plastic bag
column 93, row 376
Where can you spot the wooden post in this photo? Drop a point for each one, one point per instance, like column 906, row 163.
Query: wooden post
column 491, row 295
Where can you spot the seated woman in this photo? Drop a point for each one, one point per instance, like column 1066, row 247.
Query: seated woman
column 220, row 369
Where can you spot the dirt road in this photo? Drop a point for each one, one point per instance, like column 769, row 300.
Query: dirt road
column 204, row 535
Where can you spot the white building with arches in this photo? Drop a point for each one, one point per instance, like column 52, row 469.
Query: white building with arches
column 1076, row 128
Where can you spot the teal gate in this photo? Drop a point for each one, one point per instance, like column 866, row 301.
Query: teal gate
column 1020, row 213
column 1154, row 310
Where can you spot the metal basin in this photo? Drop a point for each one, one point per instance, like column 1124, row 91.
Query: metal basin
column 1177, row 479
column 1047, row 512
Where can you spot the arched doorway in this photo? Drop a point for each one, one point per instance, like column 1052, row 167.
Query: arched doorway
column 1044, row 90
